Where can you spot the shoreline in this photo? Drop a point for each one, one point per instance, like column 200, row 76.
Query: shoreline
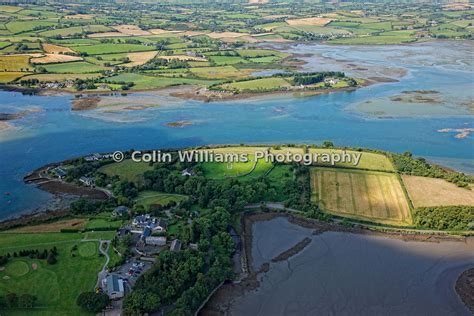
column 223, row 298
column 191, row 92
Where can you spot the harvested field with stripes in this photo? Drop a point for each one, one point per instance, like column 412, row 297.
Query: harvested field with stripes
column 365, row 195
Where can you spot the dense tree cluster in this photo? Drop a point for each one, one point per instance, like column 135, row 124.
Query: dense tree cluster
column 93, row 302
column 405, row 163
column 445, row 217
column 307, row 79
column 48, row 255
column 13, row 300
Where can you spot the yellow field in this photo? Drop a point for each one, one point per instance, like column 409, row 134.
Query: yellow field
column 6, row 77
column 138, row 59
column 161, row 31
column 369, row 161
column 425, row 192
column 131, row 30
column 224, row 35
column 55, row 49
column 365, row 195
column 309, row 21
column 79, row 16
column 183, row 57
column 54, row 58
column 15, row 63
column 219, row 72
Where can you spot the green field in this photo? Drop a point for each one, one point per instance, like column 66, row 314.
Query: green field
column 24, row 26
column 103, row 224
column 153, row 82
column 147, row 198
column 257, row 85
column 112, row 48
column 227, row 60
column 77, row 67
column 127, row 170
column 68, row 31
column 368, row 160
column 56, row 286
column 250, row 169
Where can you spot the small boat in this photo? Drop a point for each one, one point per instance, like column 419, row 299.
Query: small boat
column 7, row 193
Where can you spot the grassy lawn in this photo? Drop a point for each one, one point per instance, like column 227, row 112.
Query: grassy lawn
column 127, row 170
column 147, row 198
column 56, row 286
column 366, row 195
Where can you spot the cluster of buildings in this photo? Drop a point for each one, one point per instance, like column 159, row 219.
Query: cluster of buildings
column 57, row 85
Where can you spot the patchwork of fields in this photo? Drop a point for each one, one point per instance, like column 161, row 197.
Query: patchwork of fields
column 365, row 195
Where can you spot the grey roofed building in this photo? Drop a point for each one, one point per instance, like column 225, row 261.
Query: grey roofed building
column 115, row 287
column 155, row 241
column 87, row 180
column 175, row 245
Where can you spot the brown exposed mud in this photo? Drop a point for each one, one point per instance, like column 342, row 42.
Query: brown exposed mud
column 465, row 288
column 83, row 104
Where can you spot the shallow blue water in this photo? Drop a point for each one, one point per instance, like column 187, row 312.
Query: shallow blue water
column 57, row 133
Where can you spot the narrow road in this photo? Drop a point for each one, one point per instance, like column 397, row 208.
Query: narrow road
column 103, row 273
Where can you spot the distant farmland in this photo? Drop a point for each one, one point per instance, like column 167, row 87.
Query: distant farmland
column 365, row 195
